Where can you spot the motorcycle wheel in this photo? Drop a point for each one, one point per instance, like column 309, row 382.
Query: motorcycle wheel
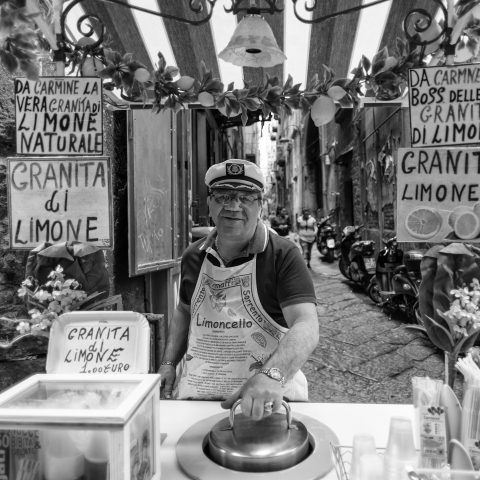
column 343, row 268
column 329, row 257
column 373, row 291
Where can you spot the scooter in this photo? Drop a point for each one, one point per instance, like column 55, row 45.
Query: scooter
column 397, row 279
column 357, row 260
column 327, row 243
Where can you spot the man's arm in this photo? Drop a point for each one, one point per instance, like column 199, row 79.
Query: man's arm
column 292, row 352
column 175, row 349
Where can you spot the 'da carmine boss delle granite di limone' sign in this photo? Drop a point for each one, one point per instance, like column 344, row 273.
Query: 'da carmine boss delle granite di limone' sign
column 59, row 116
column 438, row 194
column 59, row 199
column 445, row 105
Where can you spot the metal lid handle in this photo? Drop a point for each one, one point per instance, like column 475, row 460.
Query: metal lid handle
column 239, row 401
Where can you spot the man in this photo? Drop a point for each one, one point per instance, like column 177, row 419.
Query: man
column 307, row 233
column 246, row 320
column 281, row 222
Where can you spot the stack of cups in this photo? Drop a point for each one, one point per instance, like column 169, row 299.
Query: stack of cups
column 400, row 450
column 363, row 448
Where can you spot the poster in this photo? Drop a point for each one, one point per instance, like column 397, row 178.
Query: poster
column 438, row 195
column 59, row 116
column 59, row 199
column 444, row 105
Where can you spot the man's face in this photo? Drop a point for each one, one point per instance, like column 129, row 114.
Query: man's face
column 235, row 212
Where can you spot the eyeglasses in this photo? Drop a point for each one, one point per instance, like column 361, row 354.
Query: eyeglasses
column 224, row 198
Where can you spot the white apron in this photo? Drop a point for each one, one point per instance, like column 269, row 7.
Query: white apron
column 231, row 336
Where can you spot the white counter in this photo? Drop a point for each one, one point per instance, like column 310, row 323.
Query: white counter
column 344, row 419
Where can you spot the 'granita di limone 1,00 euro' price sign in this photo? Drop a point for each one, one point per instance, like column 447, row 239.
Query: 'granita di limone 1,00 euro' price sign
column 438, row 195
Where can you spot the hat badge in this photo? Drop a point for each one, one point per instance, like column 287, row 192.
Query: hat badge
column 234, row 169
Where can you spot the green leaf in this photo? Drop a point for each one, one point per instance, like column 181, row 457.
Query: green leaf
column 365, row 63
column 162, row 63
column 438, row 335
column 231, row 86
column 377, row 66
column 381, row 55
column 288, row 83
column 9, row 60
column 466, row 343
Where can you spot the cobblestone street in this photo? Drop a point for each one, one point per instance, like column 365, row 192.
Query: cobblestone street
column 363, row 355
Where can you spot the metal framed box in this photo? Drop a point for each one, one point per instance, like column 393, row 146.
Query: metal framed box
column 81, row 426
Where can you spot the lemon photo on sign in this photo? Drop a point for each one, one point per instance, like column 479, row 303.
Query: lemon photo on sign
column 423, row 222
column 465, row 222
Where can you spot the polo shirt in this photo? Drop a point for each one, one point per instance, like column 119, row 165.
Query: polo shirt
column 282, row 276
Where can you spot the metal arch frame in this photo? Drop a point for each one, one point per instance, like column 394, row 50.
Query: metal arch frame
column 416, row 21
column 197, row 7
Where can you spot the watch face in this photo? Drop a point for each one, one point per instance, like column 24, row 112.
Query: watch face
column 275, row 374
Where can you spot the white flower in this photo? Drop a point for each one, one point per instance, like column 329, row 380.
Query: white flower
column 23, row 327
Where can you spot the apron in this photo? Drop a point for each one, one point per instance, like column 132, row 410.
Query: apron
column 231, row 336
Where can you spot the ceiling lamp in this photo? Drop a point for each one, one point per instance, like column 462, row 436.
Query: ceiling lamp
column 253, row 44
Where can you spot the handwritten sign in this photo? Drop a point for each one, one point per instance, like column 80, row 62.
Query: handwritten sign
column 438, row 195
column 57, row 199
column 99, row 342
column 445, row 105
column 59, row 116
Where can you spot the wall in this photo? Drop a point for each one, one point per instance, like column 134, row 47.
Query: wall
column 12, row 263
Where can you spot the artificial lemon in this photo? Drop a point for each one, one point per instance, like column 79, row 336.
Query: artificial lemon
column 206, row 99
column 91, row 66
column 323, row 110
column 185, row 82
column 142, row 74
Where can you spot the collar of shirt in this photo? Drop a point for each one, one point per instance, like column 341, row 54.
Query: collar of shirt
column 257, row 244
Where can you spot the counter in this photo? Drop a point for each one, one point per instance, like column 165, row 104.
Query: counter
column 345, row 419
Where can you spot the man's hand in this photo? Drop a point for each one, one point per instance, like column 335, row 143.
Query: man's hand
column 255, row 393
column 167, row 379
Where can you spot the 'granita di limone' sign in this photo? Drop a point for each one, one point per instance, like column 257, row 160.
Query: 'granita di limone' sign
column 438, row 195
column 58, row 200
column 444, row 105
column 59, row 116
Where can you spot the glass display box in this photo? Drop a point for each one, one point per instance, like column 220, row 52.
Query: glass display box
column 81, row 427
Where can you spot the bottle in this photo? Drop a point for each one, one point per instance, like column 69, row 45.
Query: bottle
column 400, row 451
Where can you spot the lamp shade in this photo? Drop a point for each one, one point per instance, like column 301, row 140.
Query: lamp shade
column 253, row 44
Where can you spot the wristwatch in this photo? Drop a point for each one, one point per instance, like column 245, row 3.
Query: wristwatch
column 274, row 373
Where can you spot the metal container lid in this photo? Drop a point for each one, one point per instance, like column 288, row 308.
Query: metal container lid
column 273, row 443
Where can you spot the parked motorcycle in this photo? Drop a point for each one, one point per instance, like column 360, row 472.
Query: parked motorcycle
column 357, row 259
column 327, row 243
column 397, row 279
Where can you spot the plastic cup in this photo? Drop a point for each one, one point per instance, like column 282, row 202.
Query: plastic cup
column 371, row 467
column 400, row 439
column 400, row 449
column 363, row 444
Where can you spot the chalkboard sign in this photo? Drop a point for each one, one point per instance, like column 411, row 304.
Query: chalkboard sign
column 99, row 342
column 59, row 116
column 438, row 195
column 150, row 190
column 59, row 200
column 444, row 105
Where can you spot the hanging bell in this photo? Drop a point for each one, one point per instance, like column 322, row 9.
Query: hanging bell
column 253, row 44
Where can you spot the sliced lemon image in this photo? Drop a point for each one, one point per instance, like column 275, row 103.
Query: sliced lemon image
column 423, row 222
column 456, row 212
column 467, row 225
